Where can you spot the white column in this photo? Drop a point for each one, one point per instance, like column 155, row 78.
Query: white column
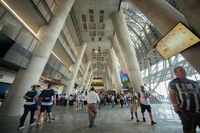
column 76, row 68
column 85, row 75
column 109, row 76
column 115, row 70
column 47, row 35
column 89, row 85
column 160, row 13
column 105, row 79
column 88, row 81
column 119, row 54
column 127, row 49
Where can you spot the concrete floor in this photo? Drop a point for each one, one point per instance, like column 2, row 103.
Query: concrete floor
column 109, row 120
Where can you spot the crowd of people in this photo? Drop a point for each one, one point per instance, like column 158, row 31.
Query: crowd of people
column 47, row 97
column 184, row 95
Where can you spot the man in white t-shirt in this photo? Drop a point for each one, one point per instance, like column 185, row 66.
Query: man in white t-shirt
column 145, row 104
column 92, row 100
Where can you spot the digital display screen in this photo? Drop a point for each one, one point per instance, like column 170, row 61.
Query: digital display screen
column 124, row 77
column 175, row 41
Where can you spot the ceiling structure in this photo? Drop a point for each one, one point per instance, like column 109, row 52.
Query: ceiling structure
column 96, row 28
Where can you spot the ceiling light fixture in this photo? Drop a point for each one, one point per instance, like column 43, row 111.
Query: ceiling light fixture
column 56, row 56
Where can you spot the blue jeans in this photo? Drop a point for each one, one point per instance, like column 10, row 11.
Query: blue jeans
column 81, row 104
column 113, row 103
column 28, row 108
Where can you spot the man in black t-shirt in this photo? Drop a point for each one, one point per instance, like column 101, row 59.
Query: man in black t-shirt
column 29, row 105
column 47, row 98
column 185, row 98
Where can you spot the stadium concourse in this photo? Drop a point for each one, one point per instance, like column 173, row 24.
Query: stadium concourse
column 52, row 52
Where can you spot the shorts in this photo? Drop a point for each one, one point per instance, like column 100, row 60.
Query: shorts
column 145, row 107
column 133, row 107
column 85, row 102
column 46, row 108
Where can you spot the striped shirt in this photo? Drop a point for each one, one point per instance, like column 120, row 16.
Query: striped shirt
column 187, row 94
column 132, row 98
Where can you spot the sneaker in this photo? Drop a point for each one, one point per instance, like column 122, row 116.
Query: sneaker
column 152, row 123
column 92, row 125
column 144, row 120
column 132, row 118
column 32, row 124
column 137, row 121
column 37, row 125
column 21, row 127
column 46, row 119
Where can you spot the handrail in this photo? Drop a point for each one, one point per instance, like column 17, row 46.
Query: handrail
column 155, row 94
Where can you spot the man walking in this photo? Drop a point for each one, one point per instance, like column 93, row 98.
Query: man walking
column 92, row 100
column 185, row 98
column 133, row 103
column 47, row 97
column 145, row 104
column 30, row 105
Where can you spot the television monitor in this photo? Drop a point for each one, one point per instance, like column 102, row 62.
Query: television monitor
column 175, row 41
column 124, row 78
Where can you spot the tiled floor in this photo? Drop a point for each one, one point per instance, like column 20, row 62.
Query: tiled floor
column 109, row 120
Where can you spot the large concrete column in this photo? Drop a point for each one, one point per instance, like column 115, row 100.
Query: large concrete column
column 127, row 49
column 191, row 11
column 164, row 17
column 85, row 75
column 88, row 81
column 115, row 70
column 109, row 77
column 47, row 35
column 105, row 79
column 89, row 85
column 119, row 54
column 76, row 68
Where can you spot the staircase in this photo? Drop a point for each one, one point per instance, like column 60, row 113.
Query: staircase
column 155, row 98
